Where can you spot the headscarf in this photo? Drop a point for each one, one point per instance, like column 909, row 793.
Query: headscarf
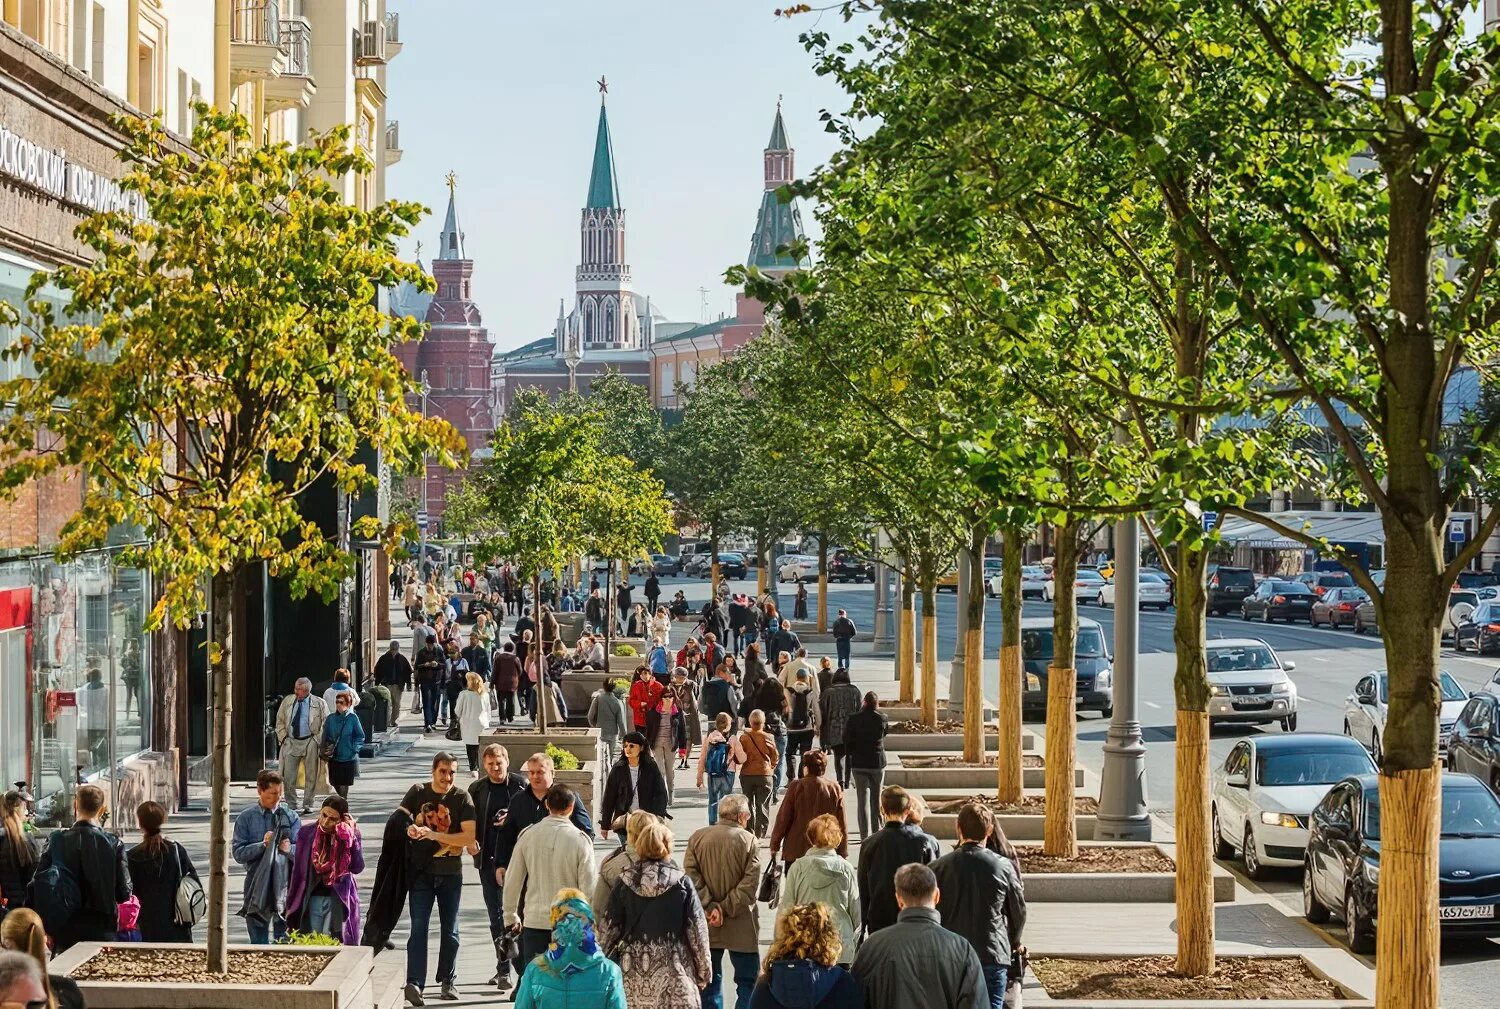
column 573, row 947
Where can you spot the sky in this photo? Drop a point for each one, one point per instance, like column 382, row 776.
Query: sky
column 504, row 94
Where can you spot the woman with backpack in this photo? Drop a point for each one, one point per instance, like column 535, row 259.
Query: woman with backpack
column 720, row 759
column 158, row 867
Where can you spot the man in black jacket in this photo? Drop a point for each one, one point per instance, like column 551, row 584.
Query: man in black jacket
column 432, row 665
column 593, row 609
column 653, row 593
column 896, row 844
column 394, row 672
column 982, row 899
column 784, row 640
column 721, row 694
column 492, row 797
column 528, row 806
column 96, row 861
column 843, row 630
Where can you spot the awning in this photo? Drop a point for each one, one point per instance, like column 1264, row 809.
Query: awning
column 1335, row 527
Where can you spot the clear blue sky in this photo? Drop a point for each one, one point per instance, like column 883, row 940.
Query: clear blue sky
column 502, row 92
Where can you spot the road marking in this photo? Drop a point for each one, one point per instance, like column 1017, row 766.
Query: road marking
column 1321, row 659
column 1152, row 704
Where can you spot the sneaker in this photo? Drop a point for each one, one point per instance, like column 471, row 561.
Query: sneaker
column 503, row 981
column 494, row 980
column 414, row 995
column 449, row 992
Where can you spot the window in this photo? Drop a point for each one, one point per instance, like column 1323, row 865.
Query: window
column 184, row 100
column 80, row 32
column 145, row 59
column 455, row 378
column 667, row 384
column 34, row 19
column 96, row 64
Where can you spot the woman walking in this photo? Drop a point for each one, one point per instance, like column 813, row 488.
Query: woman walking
column 661, row 624
column 802, row 968
column 343, row 738
column 655, row 929
column 799, row 606
column 157, row 868
column 666, row 733
column 807, row 798
column 759, row 747
column 644, row 692
column 684, row 690
column 17, row 859
column 721, row 757
column 608, row 714
column 639, row 622
column 635, row 782
column 755, row 673
column 864, row 746
column 323, row 897
column 573, row 973
column 836, row 705
column 823, row 876
column 472, row 709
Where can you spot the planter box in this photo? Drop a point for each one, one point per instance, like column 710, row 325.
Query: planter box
column 947, row 742
column 569, row 627
column 1017, row 827
column 624, row 665
column 921, row 778
column 345, row 983
column 1034, row 994
column 578, row 687
column 521, row 744
column 585, row 781
column 1118, row 887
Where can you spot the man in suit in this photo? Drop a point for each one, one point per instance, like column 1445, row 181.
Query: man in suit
column 299, row 725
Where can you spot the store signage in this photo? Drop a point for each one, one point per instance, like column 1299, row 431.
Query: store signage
column 52, row 173
column 66, row 699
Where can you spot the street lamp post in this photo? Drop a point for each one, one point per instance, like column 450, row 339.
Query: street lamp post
column 1122, row 788
column 885, row 640
column 422, row 516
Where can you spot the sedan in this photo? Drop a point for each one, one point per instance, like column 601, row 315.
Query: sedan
column 1342, row 869
column 1473, row 742
column 1152, row 591
column 1480, row 629
column 1365, row 708
column 731, row 565
column 1086, row 586
column 665, row 565
column 1266, row 789
column 797, row 567
column 1033, row 582
column 1364, row 617
column 1337, row 607
column 1275, row 599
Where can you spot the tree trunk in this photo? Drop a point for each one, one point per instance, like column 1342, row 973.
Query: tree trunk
column 1195, row 897
column 713, row 566
column 222, row 610
column 822, row 583
column 543, row 683
column 1060, row 831
column 973, row 694
column 906, row 658
column 763, row 573
column 929, row 654
column 1009, row 752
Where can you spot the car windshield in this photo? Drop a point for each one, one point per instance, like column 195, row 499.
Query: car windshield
column 1031, row 571
column 1228, row 577
column 1446, row 683
column 1468, row 811
column 1090, row 576
column 1037, row 643
column 1335, row 581
column 1241, row 658
column 1147, row 576
column 1312, row 767
column 1290, row 589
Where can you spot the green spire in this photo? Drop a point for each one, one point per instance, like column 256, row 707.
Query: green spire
column 604, row 192
column 778, row 133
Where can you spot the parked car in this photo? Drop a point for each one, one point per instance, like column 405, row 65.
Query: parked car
column 1342, row 867
column 1265, row 790
column 731, row 565
column 845, row 566
column 1478, row 579
column 1152, row 591
column 1091, row 666
column 1480, row 629
column 1365, row 708
column 1249, row 683
column 665, row 565
column 1086, row 586
column 1033, row 582
column 1275, row 599
column 1324, row 581
column 1158, row 572
column 1461, row 603
column 796, row 568
column 991, row 569
column 1337, row 607
column 1473, row 741
column 1365, row 618
column 1227, row 589
column 691, row 556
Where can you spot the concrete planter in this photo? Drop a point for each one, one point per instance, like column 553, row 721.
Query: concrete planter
column 578, row 687
column 1118, row 887
column 625, row 665
column 921, row 778
column 1036, row 995
column 1017, row 827
column 346, row 983
column 946, row 742
column 585, row 781
column 581, row 743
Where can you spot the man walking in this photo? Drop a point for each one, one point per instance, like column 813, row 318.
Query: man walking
column 551, row 855
column 394, row 672
column 653, row 592
column 723, row 862
column 491, row 795
column 784, row 640
column 260, row 832
column 896, row 844
column 432, row 665
column 843, row 635
column 916, row 961
column 299, row 726
column 593, row 611
column 624, row 600
column 443, row 830
column 982, row 900
column 95, row 859
column 721, row 694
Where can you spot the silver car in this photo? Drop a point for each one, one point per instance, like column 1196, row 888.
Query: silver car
column 1250, row 684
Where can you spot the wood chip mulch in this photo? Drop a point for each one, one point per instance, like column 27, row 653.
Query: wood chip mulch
column 1091, row 859
column 1154, row 977
column 1030, row 804
column 916, row 727
column 949, row 760
column 189, row 966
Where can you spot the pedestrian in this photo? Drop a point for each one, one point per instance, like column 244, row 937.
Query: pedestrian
column 785, row 639
column 472, row 713
column 836, row 705
column 799, row 605
column 506, row 677
column 713, row 654
column 558, row 664
column 653, row 591
column 264, row 838
column 412, row 599
column 394, row 672
column 343, row 739
column 661, row 623
column 803, row 968
column 864, row 745
column 983, row 900
column 484, row 630
column 548, row 701
column 756, row 774
column 895, row 844
column 639, row 623
column 624, row 600
column 916, row 961
column 323, row 897
column 755, row 671
column 684, row 691
column 808, row 797
column 629, row 828
column 442, row 828
column 771, row 699
column 527, row 656
column 17, row 857
column 454, row 685
column 655, row 929
column 645, row 690
column 157, row 867
column 299, row 727
column 666, row 733
column 431, row 666
column 593, row 611
column 690, row 657
column 718, row 761
column 572, row 972
column 529, row 806
column 721, row 695
column 659, row 659
column 24, row 979
column 824, row 876
column 801, row 720
column 552, row 855
column 477, row 655
column 492, row 795
column 636, row 781
column 608, row 714
column 340, row 685
column 843, row 630
column 798, row 663
column 723, row 862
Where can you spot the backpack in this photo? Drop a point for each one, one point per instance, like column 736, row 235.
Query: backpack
column 716, row 763
column 191, row 903
column 54, row 891
column 800, row 718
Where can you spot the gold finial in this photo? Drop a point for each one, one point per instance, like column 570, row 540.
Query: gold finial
column 452, row 179
column 419, row 250
column 603, row 86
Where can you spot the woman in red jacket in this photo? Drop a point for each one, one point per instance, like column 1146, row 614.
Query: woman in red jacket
column 643, row 694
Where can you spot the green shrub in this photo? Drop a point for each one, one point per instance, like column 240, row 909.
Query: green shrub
column 562, row 760
column 626, row 650
column 295, row 938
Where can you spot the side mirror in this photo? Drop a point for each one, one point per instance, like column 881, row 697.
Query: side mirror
column 1479, row 732
column 1237, row 781
column 1336, row 830
column 1289, row 666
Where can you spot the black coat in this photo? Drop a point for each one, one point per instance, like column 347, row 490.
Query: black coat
column 653, row 588
column 388, row 892
column 393, row 670
column 651, row 790
column 982, row 901
column 490, row 798
column 14, row 876
column 155, row 882
column 864, row 739
column 880, row 855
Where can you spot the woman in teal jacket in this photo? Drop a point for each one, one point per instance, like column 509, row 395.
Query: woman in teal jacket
column 573, row 972
column 343, row 731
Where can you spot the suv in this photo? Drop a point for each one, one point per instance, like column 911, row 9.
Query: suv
column 1321, row 581
column 1227, row 589
column 844, row 566
column 1091, row 664
column 1250, row 684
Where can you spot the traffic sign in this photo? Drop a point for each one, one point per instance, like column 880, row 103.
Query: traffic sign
column 1210, row 519
column 1458, row 531
column 422, row 519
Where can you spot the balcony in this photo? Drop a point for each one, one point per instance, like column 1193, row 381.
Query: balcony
column 370, row 49
column 295, row 87
column 393, row 150
column 255, row 41
column 392, row 35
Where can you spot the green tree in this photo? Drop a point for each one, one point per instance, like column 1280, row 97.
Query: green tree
column 706, row 450
column 632, row 424
column 210, row 365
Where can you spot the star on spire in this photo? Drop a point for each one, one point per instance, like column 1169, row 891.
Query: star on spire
column 603, row 83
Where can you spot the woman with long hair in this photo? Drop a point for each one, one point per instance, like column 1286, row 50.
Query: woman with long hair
column 17, row 860
column 804, row 957
column 21, row 931
column 636, row 782
column 157, row 867
column 472, row 710
column 323, row 896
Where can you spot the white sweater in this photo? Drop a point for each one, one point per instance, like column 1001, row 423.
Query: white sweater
column 550, row 855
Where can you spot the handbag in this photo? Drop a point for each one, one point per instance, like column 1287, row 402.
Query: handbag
column 191, row 903
column 455, row 731
column 328, row 749
column 770, row 884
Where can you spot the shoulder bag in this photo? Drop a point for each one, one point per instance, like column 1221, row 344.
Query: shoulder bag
column 770, row 884
column 191, row 903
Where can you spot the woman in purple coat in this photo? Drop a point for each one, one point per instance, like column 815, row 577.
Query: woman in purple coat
column 323, row 896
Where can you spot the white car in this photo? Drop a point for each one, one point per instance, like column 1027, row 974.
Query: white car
column 1153, row 591
column 1266, row 788
column 1250, row 684
column 796, row 568
column 1086, row 586
column 1033, row 582
column 1365, row 708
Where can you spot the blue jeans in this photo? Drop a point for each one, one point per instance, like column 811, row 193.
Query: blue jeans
column 320, row 916
column 431, row 695
column 780, row 773
column 745, row 965
column 719, row 785
column 260, row 932
column 994, row 982
column 445, row 890
column 842, row 645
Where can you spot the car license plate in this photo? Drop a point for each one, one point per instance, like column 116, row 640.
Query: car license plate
column 1251, row 705
column 1467, row 912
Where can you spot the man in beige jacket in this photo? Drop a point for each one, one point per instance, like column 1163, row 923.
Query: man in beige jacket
column 299, row 727
column 723, row 862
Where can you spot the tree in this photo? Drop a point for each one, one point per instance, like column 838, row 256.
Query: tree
column 632, row 426
column 213, row 363
column 705, row 451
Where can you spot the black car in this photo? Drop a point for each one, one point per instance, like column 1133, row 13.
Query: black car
column 1479, row 629
column 844, row 566
column 1091, row 666
column 1342, row 868
column 1474, row 742
column 731, row 565
column 1274, row 599
column 1477, row 579
column 1227, row 589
